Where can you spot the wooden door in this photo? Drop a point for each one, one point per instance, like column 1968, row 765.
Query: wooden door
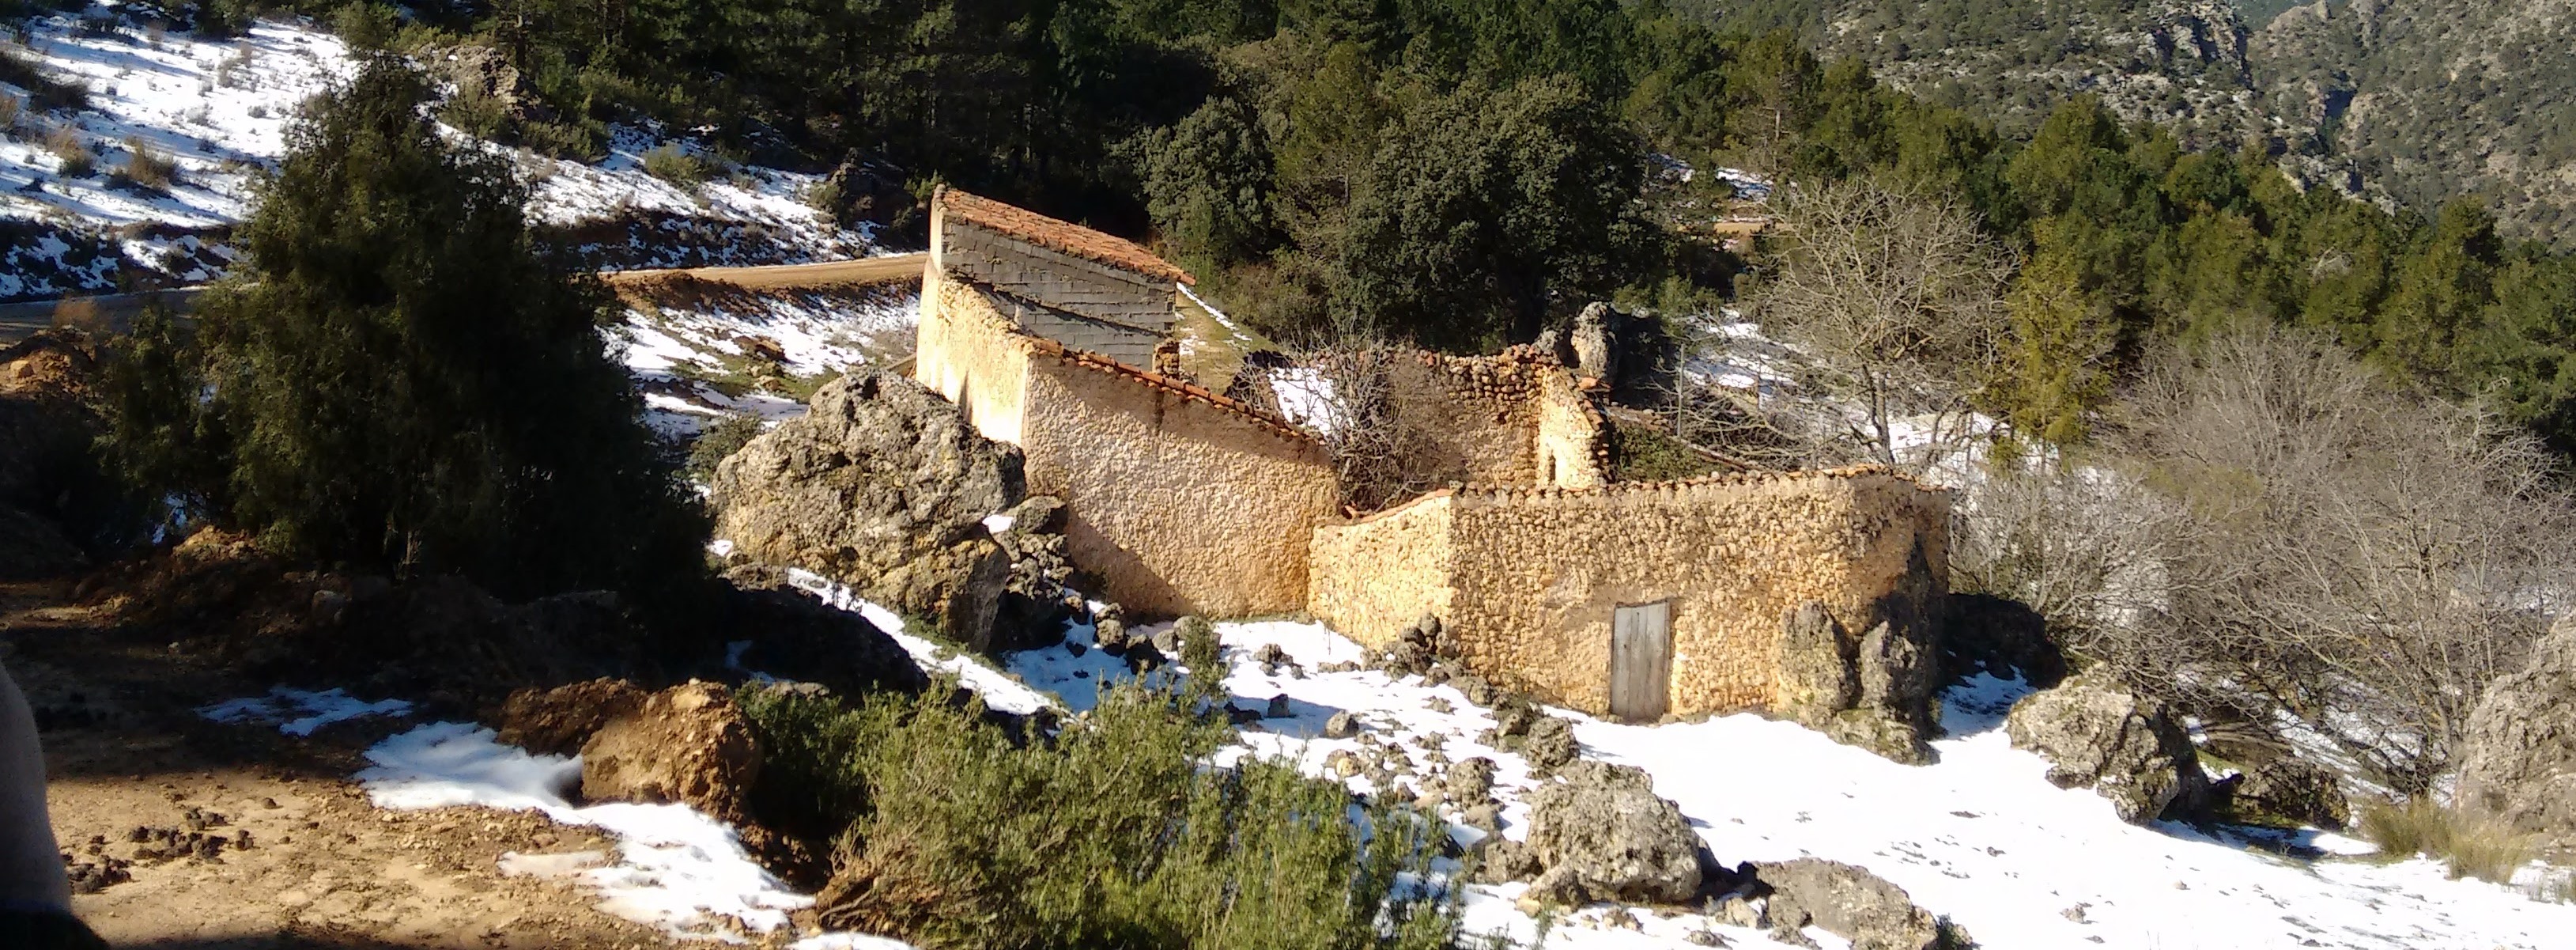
column 1641, row 661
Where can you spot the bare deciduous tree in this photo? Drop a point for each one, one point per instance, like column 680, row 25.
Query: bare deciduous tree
column 2315, row 541
column 1898, row 297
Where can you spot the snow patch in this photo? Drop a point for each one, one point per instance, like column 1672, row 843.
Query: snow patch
column 999, row 689
column 299, row 712
column 676, row 869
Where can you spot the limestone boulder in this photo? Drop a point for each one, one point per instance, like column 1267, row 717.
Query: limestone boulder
column 2293, row 789
column 688, row 745
column 1873, row 691
column 2519, row 760
column 885, row 486
column 2099, row 734
column 1599, row 832
column 1849, row 902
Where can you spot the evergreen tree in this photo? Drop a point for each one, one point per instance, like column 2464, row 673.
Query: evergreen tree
column 1489, row 211
column 2057, row 350
column 408, row 384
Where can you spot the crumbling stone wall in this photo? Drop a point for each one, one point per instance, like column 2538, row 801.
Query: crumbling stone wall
column 1180, row 500
column 1531, row 576
column 1512, row 419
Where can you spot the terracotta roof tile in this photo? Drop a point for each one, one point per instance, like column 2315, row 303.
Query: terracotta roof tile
column 1062, row 236
column 1153, row 380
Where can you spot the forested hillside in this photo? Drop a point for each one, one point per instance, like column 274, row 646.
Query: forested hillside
column 2410, row 100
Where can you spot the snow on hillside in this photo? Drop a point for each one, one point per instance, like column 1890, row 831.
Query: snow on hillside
column 218, row 109
column 690, row 359
column 1981, row 836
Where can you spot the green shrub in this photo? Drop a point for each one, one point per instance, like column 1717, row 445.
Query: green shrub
column 1113, row 834
column 366, row 26
column 721, row 438
column 676, row 165
column 2468, row 845
column 475, row 112
column 580, row 141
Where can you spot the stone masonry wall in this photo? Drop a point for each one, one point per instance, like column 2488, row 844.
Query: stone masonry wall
column 962, row 352
column 1181, row 501
column 1501, row 420
column 1373, row 578
column 1534, row 574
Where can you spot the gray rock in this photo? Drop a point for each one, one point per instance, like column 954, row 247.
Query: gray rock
column 2097, row 733
column 1474, row 688
column 1279, row 708
column 1342, row 725
column 1851, row 903
column 2518, row 761
column 1471, row 780
column 1501, row 860
column 1600, row 833
column 882, row 485
column 1550, row 745
column 1818, row 676
column 2294, row 789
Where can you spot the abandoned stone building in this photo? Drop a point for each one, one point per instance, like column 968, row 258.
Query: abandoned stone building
column 1179, row 499
column 1637, row 600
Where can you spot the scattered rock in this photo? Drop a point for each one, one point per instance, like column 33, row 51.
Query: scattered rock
column 1342, row 725
column 1438, row 705
column 1550, row 745
column 2518, row 761
column 1280, row 708
column 1471, row 780
column 1734, row 910
column 1600, row 833
column 689, row 744
column 2097, row 733
column 1500, row 860
column 1342, row 763
column 883, row 485
column 1474, row 688
column 1851, row 903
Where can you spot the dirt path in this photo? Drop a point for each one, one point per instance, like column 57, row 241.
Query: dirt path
column 254, row 839
column 865, row 270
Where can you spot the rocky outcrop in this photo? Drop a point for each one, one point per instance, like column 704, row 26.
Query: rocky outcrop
column 1599, row 832
column 2519, row 759
column 792, row 635
column 1873, row 691
column 561, row 720
column 885, row 486
column 2289, row 789
column 689, row 745
column 1034, row 603
column 1849, row 902
column 2100, row 734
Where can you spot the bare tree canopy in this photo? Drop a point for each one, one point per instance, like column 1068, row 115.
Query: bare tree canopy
column 2274, row 528
column 1898, row 297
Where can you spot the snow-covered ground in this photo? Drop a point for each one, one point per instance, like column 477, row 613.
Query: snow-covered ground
column 218, row 109
column 675, row 868
column 673, row 350
column 1980, row 837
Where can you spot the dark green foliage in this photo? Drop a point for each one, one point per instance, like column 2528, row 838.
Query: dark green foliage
column 1491, row 210
column 721, row 438
column 1113, row 834
column 1208, row 183
column 401, row 381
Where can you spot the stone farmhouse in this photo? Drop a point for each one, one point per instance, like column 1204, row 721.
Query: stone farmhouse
column 1636, row 600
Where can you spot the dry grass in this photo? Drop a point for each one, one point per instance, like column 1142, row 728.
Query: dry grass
column 72, row 151
column 147, row 166
column 2468, row 845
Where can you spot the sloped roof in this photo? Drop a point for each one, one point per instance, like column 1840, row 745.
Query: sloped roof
column 1061, row 236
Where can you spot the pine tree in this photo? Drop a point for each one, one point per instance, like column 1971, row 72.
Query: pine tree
column 409, row 384
column 2057, row 351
